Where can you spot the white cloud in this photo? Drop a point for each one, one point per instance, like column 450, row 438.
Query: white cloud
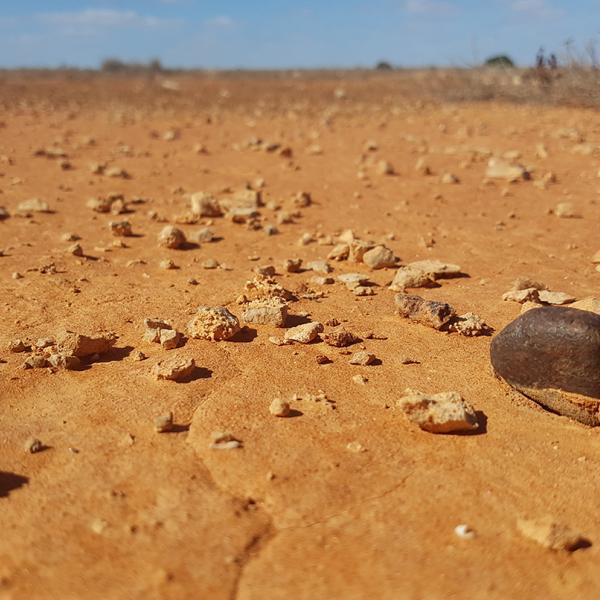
column 220, row 22
column 429, row 7
column 101, row 19
column 535, row 8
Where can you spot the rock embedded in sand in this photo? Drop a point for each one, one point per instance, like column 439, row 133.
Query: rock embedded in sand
column 565, row 210
column 280, row 408
column 82, row 346
column 120, row 228
column 379, row 257
column 427, row 312
column 422, row 273
column 33, row 445
column 204, row 204
column 303, row 334
column 164, row 423
column 223, row 440
column 340, row 338
column 171, row 237
column 555, row 298
column 445, row 412
column 501, row 169
column 33, row 205
column 363, row 358
column 272, row 311
column 60, row 360
column 470, row 325
column 177, row 368
column 552, row 355
column 214, row 323
column 551, row 534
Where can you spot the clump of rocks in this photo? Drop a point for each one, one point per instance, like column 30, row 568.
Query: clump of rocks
column 161, row 332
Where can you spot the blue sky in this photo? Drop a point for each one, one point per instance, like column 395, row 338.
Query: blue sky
column 283, row 33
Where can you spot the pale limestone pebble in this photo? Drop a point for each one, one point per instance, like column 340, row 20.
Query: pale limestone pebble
column 379, row 257
column 70, row 237
column 302, row 200
column 245, row 199
column 36, row 361
column 262, row 288
column 116, row 171
column 138, row 356
column 60, row 360
column 357, row 250
column 362, row 358
column 81, row 346
column 120, row 228
column 170, row 339
column 33, row 445
column 427, row 312
column 42, row 343
column 555, row 298
column 210, row 263
column 445, row 412
column 223, row 440
column 171, row 237
column 319, row 266
column 422, row 273
column 204, row 235
column 360, row 379
column 177, row 368
column 340, row 338
column 384, row 167
column 306, row 238
column 470, row 325
column 164, row 423
column 464, row 531
column 100, row 205
column 280, row 408
column 18, row 345
column 407, row 277
column 292, row 265
column 502, row 169
column 75, row 250
column 319, row 280
column 339, row 252
column 355, row 447
column 565, row 210
column 270, row 229
column 353, row 279
column 551, row 535
column 167, row 264
column 363, row 290
column 214, row 323
column 449, row 178
column 33, row 205
column 204, row 204
column 521, row 296
column 590, row 304
column 303, row 334
column 272, row 311
column 422, row 167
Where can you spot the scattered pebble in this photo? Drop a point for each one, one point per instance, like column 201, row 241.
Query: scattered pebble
column 279, row 408
column 445, row 412
column 224, row 441
column 164, row 423
column 177, row 368
column 214, row 323
column 551, row 535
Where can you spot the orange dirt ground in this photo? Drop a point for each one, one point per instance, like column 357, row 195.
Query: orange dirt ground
column 114, row 510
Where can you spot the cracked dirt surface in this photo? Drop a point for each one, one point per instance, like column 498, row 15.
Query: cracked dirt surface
column 113, row 510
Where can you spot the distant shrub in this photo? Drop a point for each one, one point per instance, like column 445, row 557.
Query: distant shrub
column 383, row 65
column 500, row 60
column 115, row 65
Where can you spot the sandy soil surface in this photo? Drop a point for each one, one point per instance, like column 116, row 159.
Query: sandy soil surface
column 112, row 509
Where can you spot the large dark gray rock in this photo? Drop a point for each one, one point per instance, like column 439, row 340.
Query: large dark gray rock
column 552, row 355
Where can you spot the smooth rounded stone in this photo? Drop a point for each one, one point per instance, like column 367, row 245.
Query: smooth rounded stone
column 552, row 355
